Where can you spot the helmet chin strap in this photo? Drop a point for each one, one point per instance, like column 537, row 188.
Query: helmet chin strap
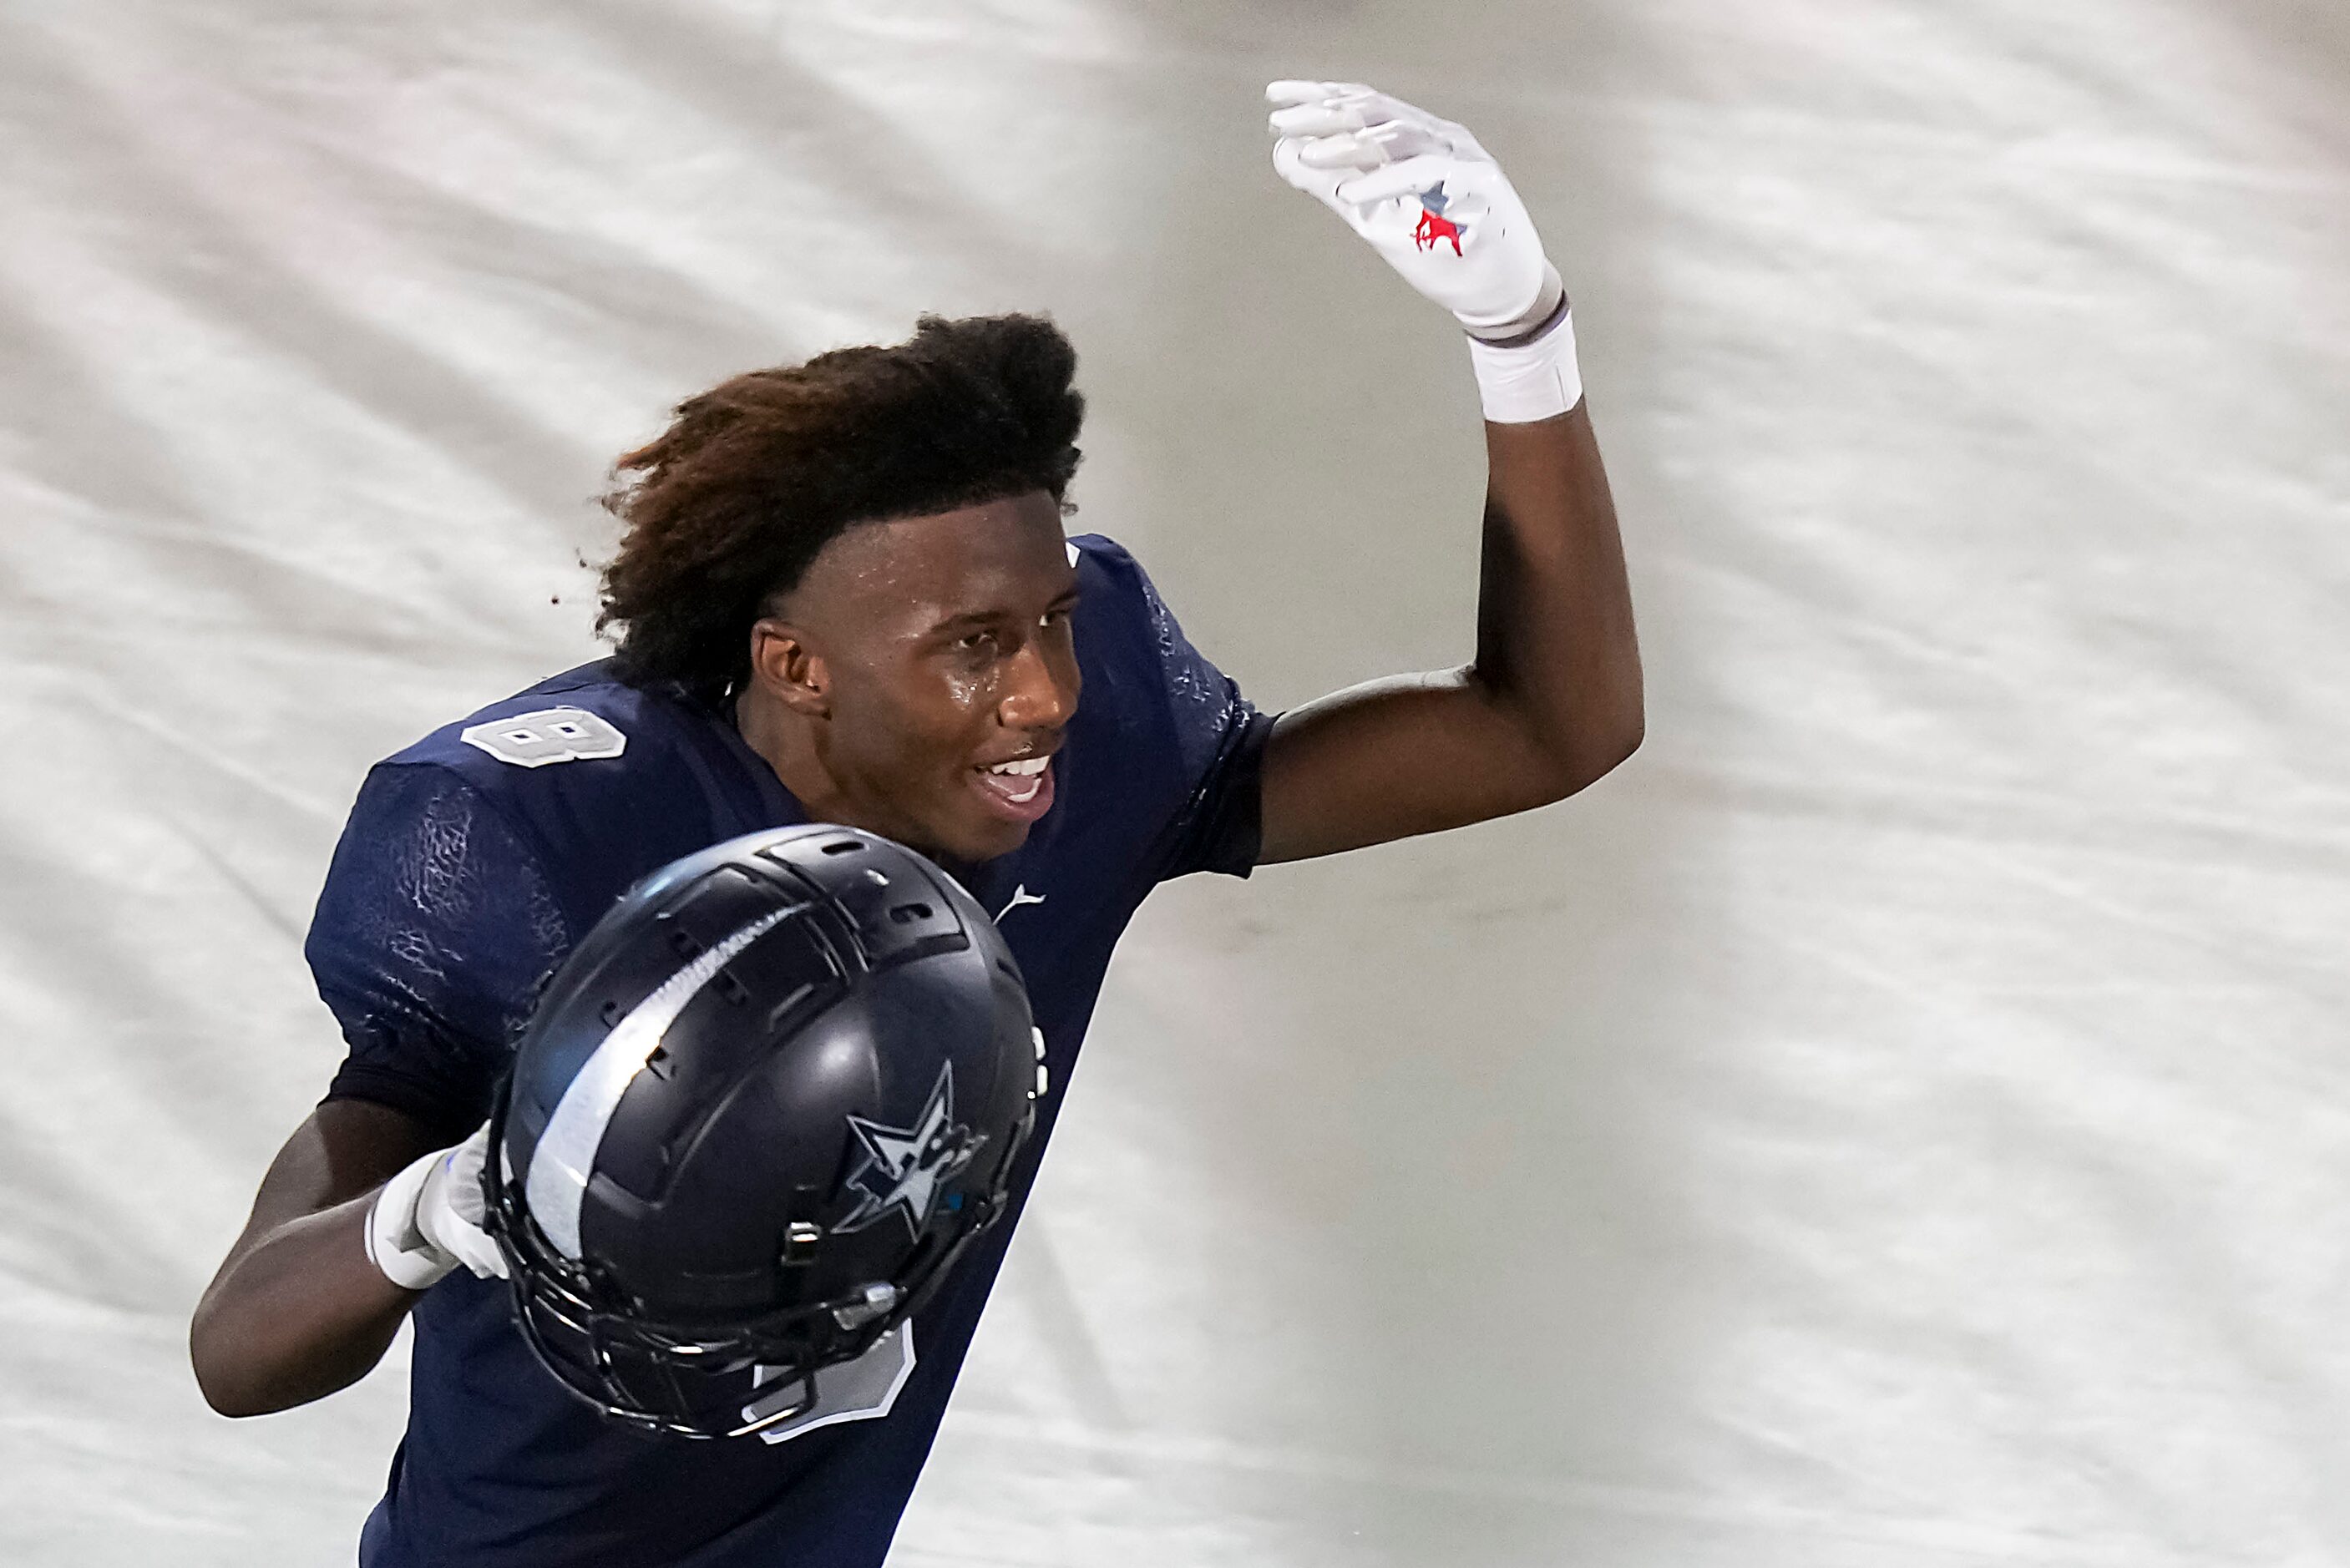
column 873, row 1300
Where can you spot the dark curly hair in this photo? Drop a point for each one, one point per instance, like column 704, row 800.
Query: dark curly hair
column 732, row 502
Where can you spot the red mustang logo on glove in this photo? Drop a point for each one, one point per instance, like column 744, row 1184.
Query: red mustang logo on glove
column 1434, row 227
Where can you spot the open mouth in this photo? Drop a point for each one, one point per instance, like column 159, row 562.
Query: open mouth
column 1021, row 790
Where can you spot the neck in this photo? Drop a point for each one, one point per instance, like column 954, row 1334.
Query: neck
column 786, row 741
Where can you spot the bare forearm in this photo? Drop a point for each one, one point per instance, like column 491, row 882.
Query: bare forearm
column 1551, row 702
column 296, row 1316
column 1556, row 652
column 298, row 1310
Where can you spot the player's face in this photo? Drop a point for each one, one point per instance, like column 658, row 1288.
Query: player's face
column 949, row 672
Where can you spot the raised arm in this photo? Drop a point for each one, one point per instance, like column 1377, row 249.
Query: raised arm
column 1552, row 699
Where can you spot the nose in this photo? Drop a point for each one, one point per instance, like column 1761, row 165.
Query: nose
column 1040, row 690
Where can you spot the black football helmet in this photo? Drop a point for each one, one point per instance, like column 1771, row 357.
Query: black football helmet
column 759, row 1113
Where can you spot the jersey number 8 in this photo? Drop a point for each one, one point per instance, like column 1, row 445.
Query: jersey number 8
column 550, row 735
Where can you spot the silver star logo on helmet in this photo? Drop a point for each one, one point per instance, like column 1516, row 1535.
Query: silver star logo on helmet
column 904, row 1169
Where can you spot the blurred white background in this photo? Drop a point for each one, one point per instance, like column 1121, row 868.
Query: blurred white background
column 1900, row 1120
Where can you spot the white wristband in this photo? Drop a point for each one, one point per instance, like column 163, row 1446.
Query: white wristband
column 394, row 1244
column 1536, row 380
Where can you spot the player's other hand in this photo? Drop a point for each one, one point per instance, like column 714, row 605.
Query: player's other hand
column 428, row 1219
column 1425, row 194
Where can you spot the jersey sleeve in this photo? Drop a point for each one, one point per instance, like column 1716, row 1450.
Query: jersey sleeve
column 433, row 933
column 1219, row 740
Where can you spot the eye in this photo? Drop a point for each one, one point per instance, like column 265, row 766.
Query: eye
column 976, row 642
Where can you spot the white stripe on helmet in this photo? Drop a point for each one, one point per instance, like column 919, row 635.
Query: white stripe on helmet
column 566, row 1150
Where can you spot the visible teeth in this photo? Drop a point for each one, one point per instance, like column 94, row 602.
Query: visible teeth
column 1023, row 767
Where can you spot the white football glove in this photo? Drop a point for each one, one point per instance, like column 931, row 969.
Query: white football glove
column 1427, row 197
column 428, row 1219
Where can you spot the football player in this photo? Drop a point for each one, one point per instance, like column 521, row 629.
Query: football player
column 842, row 594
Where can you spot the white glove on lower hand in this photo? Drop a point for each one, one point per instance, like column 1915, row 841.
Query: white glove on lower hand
column 1427, row 197
column 428, row 1219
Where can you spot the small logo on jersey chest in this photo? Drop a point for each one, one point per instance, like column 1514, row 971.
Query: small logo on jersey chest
column 1019, row 895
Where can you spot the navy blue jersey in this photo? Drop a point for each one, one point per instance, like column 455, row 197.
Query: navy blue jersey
column 472, row 861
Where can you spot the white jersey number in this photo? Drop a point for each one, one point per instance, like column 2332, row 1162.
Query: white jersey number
column 550, row 735
column 859, row 1390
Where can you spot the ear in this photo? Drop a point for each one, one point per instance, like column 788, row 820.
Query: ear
column 789, row 669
